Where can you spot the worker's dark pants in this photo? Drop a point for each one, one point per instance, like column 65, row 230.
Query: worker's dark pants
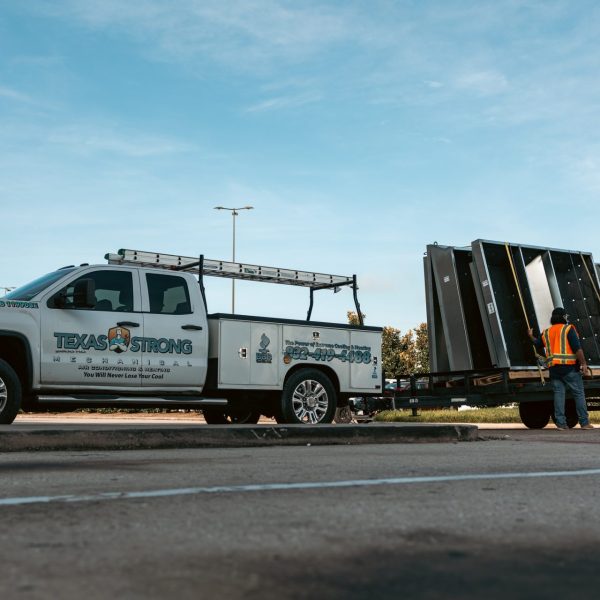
column 574, row 382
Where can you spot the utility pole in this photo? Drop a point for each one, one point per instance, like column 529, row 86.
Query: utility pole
column 234, row 214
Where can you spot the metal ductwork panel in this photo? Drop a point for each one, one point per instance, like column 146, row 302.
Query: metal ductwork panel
column 481, row 300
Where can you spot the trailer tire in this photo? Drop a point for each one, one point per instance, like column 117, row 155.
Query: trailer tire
column 308, row 397
column 570, row 413
column 218, row 416
column 10, row 393
column 535, row 415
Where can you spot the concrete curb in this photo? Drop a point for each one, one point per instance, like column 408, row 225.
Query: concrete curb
column 232, row 436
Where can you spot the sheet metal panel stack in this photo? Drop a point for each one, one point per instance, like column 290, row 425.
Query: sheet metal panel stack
column 480, row 297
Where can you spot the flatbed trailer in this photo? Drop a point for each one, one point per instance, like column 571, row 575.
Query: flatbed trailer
column 478, row 389
column 487, row 388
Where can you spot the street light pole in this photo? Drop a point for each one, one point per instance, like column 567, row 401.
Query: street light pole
column 234, row 214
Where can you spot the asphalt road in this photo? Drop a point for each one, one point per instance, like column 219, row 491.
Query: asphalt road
column 515, row 517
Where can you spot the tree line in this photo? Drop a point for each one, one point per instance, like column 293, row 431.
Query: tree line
column 402, row 353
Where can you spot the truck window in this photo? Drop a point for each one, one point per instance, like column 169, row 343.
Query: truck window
column 168, row 294
column 114, row 291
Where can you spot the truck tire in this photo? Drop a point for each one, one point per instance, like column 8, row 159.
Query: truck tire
column 308, row 397
column 535, row 415
column 219, row 416
column 10, row 393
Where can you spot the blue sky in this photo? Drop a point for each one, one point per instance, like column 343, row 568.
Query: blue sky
column 360, row 131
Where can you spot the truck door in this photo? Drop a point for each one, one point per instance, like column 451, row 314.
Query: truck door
column 175, row 340
column 96, row 346
column 364, row 372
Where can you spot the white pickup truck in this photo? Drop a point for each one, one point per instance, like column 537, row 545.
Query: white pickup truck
column 135, row 333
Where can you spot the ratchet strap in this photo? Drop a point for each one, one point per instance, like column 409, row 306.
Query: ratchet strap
column 514, row 272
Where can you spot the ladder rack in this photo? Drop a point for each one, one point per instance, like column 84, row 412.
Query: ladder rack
column 234, row 270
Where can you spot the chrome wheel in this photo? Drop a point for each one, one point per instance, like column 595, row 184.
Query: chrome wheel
column 310, row 401
column 3, row 395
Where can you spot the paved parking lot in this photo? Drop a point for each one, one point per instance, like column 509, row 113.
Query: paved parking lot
column 508, row 517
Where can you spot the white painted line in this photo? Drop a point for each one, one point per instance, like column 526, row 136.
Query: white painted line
column 269, row 487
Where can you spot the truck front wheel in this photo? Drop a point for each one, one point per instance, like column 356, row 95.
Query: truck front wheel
column 308, row 397
column 10, row 393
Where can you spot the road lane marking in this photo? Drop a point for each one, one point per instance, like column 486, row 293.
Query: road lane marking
column 269, row 487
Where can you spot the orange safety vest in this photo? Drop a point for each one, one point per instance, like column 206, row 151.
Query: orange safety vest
column 558, row 349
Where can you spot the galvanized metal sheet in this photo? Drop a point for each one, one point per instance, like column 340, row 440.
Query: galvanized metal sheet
column 541, row 293
column 451, row 308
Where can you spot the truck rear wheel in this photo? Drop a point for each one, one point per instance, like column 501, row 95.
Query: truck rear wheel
column 10, row 393
column 308, row 397
column 218, row 416
column 535, row 415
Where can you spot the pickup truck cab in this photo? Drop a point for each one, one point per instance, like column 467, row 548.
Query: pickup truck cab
column 132, row 335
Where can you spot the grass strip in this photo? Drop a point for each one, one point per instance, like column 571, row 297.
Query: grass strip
column 449, row 415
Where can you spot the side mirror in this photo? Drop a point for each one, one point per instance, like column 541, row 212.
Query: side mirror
column 84, row 294
column 59, row 300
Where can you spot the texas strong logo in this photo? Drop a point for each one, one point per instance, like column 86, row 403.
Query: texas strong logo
column 118, row 339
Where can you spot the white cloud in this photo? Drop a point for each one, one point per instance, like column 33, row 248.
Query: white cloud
column 87, row 139
column 241, row 33
column 585, row 170
column 12, row 94
column 483, row 83
column 283, row 102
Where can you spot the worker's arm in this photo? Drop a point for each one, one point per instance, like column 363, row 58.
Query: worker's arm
column 537, row 342
column 575, row 344
column 582, row 362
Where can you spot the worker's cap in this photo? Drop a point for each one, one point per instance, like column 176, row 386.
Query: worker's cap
column 559, row 312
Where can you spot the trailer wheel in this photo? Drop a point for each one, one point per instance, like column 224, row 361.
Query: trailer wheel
column 535, row 415
column 308, row 397
column 570, row 413
column 218, row 416
column 10, row 393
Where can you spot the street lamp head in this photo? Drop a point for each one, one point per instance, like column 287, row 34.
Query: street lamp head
column 233, row 209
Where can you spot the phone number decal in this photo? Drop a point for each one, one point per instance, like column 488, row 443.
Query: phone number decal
column 328, row 354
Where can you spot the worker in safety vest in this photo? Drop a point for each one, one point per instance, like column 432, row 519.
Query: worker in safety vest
column 566, row 364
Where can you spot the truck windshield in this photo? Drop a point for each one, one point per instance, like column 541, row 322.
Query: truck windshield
column 33, row 288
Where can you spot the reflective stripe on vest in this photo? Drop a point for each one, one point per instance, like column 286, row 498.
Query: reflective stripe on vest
column 558, row 349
